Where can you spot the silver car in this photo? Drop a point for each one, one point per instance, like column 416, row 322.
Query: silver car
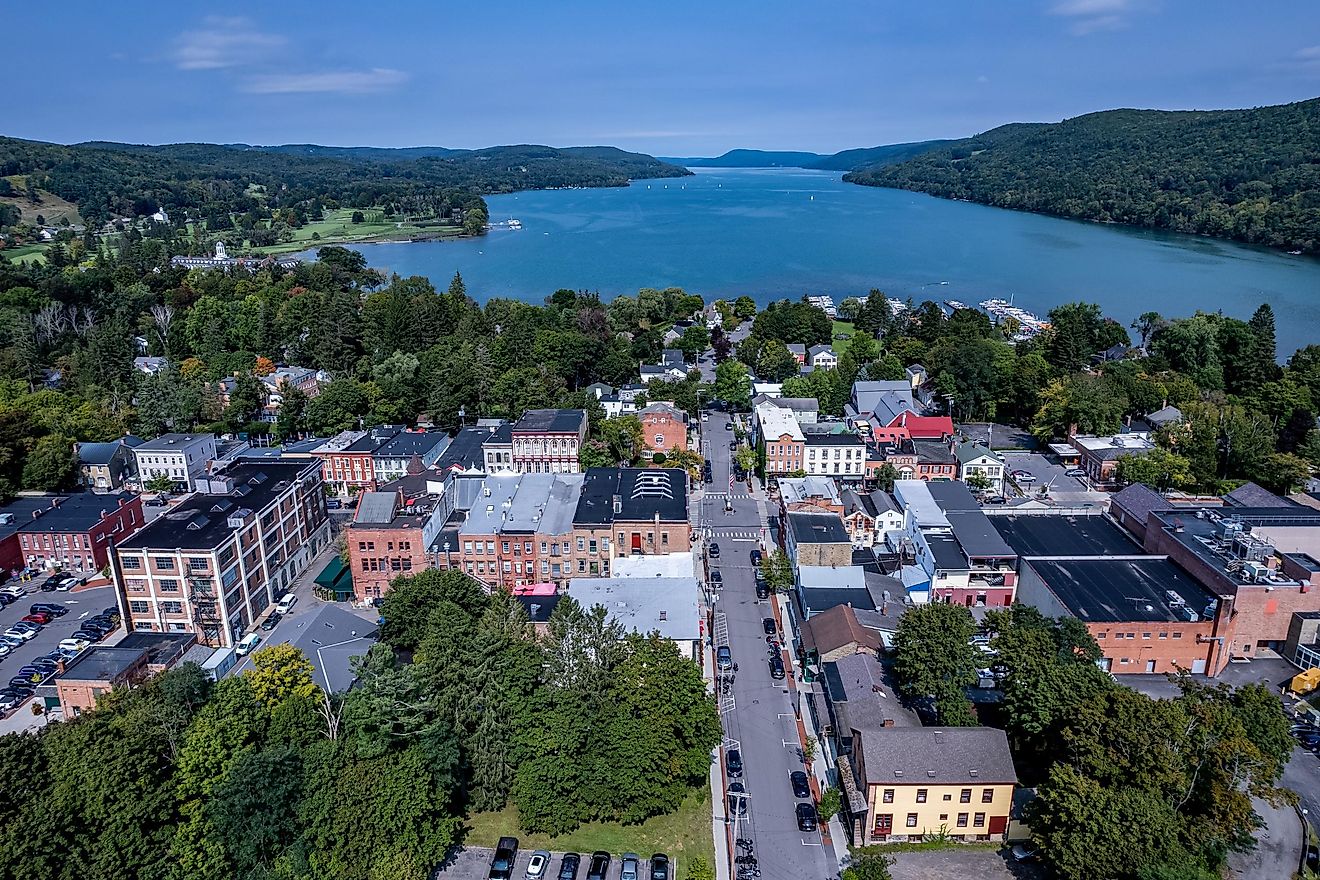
column 629, row 866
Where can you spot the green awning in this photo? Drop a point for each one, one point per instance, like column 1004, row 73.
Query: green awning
column 336, row 578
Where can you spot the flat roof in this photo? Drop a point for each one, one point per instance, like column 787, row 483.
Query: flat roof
column 102, row 664
column 817, row 528
column 947, row 552
column 1117, row 590
column 406, row 444
column 642, row 494
column 820, row 599
column 1054, row 535
column 914, row 497
column 175, row 442
column 552, row 421
column 778, row 422
column 201, row 521
column 669, row 606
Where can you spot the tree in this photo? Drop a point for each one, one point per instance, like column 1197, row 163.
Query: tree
column 695, row 340
column 1158, row 468
column 830, row 803
column 1146, row 324
column 744, row 308
column 775, row 363
column 849, row 308
column 777, row 569
column 50, row 466
column 1265, row 349
column 254, row 808
column 699, row 869
column 1081, row 404
column 1283, row 472
column 280, row 672
column 160, row 483
column 885, row 475
column 868, row 866
column 291, row 419
column 745, row 458
column 934, row 656
column 357, row 218
column 733, row 384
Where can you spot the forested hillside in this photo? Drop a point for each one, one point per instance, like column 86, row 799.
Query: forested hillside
column 108, row 180
column 1250, row 175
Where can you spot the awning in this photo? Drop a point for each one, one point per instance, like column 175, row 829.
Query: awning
column 336, row 578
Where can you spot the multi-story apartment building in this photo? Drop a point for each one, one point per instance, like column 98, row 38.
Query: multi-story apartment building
column 840, row 456
column 966, row 560
column 546, row 441
column 182, row 458
column 212, row 564
column 348, row 459
column 392, row 536
column 519, row 530
column 664, row 427
column 391, row 459
column 107, row 467
column 785, row 445
column 497, row 450
column 630, row 511
column 72, row 532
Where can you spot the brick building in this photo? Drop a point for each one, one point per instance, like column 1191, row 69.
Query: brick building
column 218, row 559
column 384, row 542
column 630, row 511
column 348, row 459
column 782, row 438
column 99, row 670
column 72, row 532
column 547, row 441
column 664, row 427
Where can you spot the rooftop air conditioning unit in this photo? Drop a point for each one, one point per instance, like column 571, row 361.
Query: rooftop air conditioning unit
column 1174, row 599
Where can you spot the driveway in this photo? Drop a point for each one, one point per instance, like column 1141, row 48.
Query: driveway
column 979, row 862
column 758, row 715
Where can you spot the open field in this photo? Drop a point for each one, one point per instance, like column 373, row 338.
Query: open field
column 840, row 327
column 27, row 253
column 682, row 835
column 51, row 207
column 338, row 228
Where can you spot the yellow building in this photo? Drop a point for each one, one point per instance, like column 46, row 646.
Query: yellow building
column 925, row 781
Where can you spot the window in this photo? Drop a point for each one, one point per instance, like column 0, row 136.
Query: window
column 1145, row 635
column 948, row 797
column 664, row 539
column 504, row 546
column 962, row 820
column 921, row 795
column 978, row 820
column 593, row 545
column 965, row 797
column 131, row 562
column 467, row 547
column 1177, row 635
column 198, row 563
column 987, row 795
column 169, row 585
column 172, row 607
column 888, row 796
column 136, row 607
column 581, row 544
column 912, row 820
column 944, row 817
column 1101, row 636
column 1164, row 635
column 163, row 563
column 659, row 440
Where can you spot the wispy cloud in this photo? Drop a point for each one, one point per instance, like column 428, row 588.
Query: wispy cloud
column 1304, row 62
column 344, row 82
column 223, row 42
column 1092, row 16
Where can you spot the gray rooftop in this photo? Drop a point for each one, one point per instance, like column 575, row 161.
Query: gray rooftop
column 1052, row 535
column 490, row 511
column 937, row 755
column 553, row 421
column 1118, row 590
column 175, row 442
column 376, row 508
column 669, row 606
column 331, row 640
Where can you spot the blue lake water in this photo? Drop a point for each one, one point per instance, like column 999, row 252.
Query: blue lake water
column 775, row 233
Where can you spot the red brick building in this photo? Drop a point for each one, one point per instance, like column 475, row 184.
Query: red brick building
column 384, row 543
column 71, row 532
column 664, row 427
column 348, row 459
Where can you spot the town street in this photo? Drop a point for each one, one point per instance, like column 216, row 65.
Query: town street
column 758, row 715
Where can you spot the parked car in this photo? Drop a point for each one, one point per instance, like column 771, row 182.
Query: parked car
column 89, row 635
column 30, row 677
column 568, row 867
column 1075, row 472
column 776, row 666
column 733, row 763
column 50, row 583
column 733, row 444
column 629, row 865
column 756, row 556
column 599, row 867
column 7, row 598
column 22, row 691
column 23, row 634
column 66, row 582
column 10, row 700
column 48, row 608
column 538, row 866
column 1024, row 852
column 501, row 864
column 801, row 788
column 762, row 591
column 659, row 867
column 40, row 617
column 1024, row 476
column 769, row 626
column 737, row 801
column 247, row 644
column 713, row 551
column 112, row 612
column 728, row 426
column 44, row 664
column 334, row 504
column 716, row 577
column 287, row 601
column 11, row 641
column 806, row 817
column 4, row 650
column 269, row 623
column 723, row 657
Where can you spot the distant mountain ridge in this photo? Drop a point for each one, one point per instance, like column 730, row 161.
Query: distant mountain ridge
column 846, row 160
column 1249, row 175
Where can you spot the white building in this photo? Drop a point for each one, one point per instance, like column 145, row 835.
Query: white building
column 181, row 457
column 670, row 606
column 841, row 456
column 976, row 458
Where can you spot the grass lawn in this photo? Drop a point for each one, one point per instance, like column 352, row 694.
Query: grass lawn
column 681, row 835
column 51, row 206
column 840, row 327
column 27, row 253
column 339, row 228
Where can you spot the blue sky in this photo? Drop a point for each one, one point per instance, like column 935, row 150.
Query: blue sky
column 675, row 78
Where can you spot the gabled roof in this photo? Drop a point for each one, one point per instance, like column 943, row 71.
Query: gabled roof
column 837, row 628
column 971, row 451
column 1166, row 416
column 1251, row 495
column 820, row 349
column 937, row 756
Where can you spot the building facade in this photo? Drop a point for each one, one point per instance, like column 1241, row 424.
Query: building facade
column 182, row 458
column 547, row 441
column 664, row 427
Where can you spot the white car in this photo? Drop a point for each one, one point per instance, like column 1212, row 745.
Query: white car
column 1024, row 476
column 23, row 634
column 73, row 644
column 538, row 867
column 286, row 603
column 68, row 582
column 248, row 643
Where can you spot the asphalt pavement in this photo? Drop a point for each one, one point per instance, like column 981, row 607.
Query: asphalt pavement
column 758, row 715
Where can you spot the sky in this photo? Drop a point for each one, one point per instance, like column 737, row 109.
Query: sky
column 671, row 79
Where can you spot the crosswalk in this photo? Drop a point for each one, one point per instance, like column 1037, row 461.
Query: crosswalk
column 738, row 534
column 735, row 495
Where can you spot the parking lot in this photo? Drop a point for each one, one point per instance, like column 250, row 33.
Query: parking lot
column 473, row 863
column 980, row 862
column 1045, row 471
column 82, row 603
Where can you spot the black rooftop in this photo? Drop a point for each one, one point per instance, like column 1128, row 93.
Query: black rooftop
column 1050, row 535
column 76, row 511
column 464, row 451
column 538, row 608
column 201, row 521
column 554, row 421
column 408, row 443
column 642, row 493
column 831, row 439
column 101, row 664
column 817, row 528
column 1110, row 590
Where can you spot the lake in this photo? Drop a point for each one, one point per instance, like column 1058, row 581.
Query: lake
column 776, row 233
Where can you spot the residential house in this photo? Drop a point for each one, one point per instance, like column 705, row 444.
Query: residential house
column 1099, row 455
column 936, row 462
column 630, row 511
column 670, row 607
column 348, row 460
column 886, row 411
column 805, row 409
column 975, row 460
column 331, row 641
column 278, row 383
column 965, row 560
column 835, row 634
column 497, row 450
column 821, row 588
column 810, row 494
column 822, row 357
column 871, row 517
column 1163, row 417
column 220, row 557
column 183, row 458
column 840, row 456
column 817, row 539
column 664, row 427
column 785, row 445
column 150, row 365
column 107, row 467
column 547, row 441
column 71, row 532
column 798, row 351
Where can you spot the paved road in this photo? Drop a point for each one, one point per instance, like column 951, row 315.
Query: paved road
column 759, row 717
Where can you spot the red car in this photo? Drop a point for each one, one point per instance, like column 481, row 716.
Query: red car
column 39, row 617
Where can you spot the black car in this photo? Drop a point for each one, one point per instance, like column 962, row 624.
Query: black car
column 762, row 591
column 599, row 867
column 769, row 625
column 48, row 608
column 25, row 681
column 713, row 551
column 5, row 598
column 798, row 780
column 269, row 623
column 45, row 664
column 733, row 763
column 728, row 426
column 659, row 867
column 737, row 801
column 89, row 635
column 716, row 577
column 501, row 864
column 707, row 478
column 21, row 691
column 776, row 666
column 756, row 556
column 733, row 444
column 568, row 868
column 806, row 817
